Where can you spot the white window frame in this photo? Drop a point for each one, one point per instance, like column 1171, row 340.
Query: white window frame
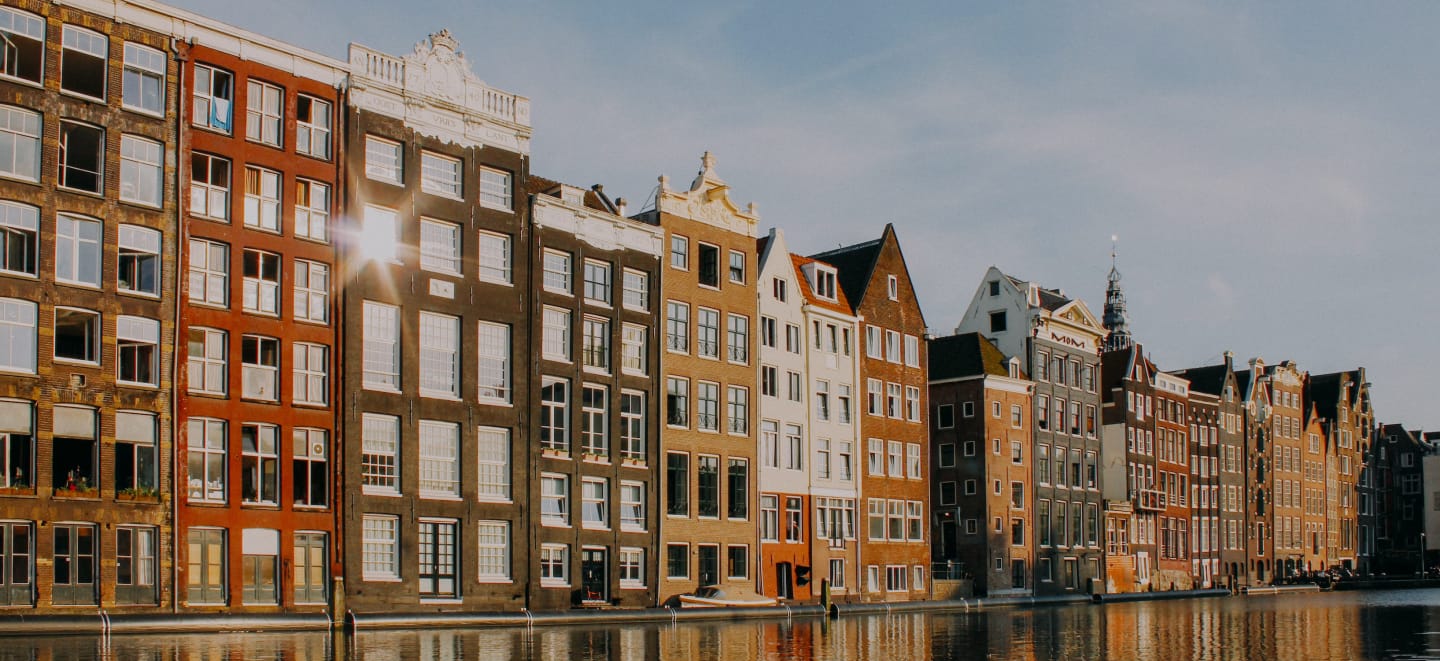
column 139, row 243
column 437, row 179
column 439, row 456
column 380, row 544
column 439, row 355
column 312, row 210
column 492, row 558
column 75, row 244
column 494, row 263
column 313, row 134
column 137, row 332
column 141, row 170
column 213, row 359
column 264, row 113
column 384, row 160
column 493, row 477
column 381, row 342
column 559, row 271
column 380, row 454
column 311, row 303
column 209, row 199
column 311, row 373
column 555, row 334
column 440, row 246
column 493, row 349
column 636, row 290
column 213, row 278
column 496, row 189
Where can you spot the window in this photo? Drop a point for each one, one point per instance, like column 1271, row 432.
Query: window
column 912, row 351
column 83, row 58
column 440, row 175
column 892, row 346
column 707, row 333
column 205, row 568
column 677, row 484
column 707, row 406
column 796, row 390
column 206, row 464
column 794, row 447
column 554, row 500
column 997, row 322
column 139, row 260
column 634, row 349
column 137, row 350
column 677, row 561
column 77, row 250
column 555, row 415
column 632, row 567
column 912, row 460
column 738, row 488
column 594, row 421
column 595, row 503
column 24, row 54
column 77, row 335
column 260, row 367
column 261, row 292
column 738, row 409
column 825, row 283
column 439, row 459
column 380, row 547
column 495, row 258
column 264, row 113
column 312, row 292
column 595, row 343
column 914, row 521
column 439, row 355
column 439, row 246
column 135, row 565
column 737, row 267
column 379, row 454
column 381, row 346
column 19, row 141
column 383, row 161
column 140, row 164
column 873, row 397
column 677, row 402
column 493, row 479
column 947, row 455
column 555, row 338
column 135, row 468
column 632, row 426
column 912, row 404
column 206, row 363
column 493, row 347
column 792, row 338
column 495, row 189
column 558, row 271
column 312, row 209
column 262, row 199
column 19, row 231
column 309, row 470
column 82, row 157
column 312, row 126
column 554, row 565
column 707, row 468
column 677, row 326
column 793, row 516
column 822, row 458
column 259, row 464
column 597, row 282
column 636, row 294
column 209, row 186
column 632, row 506
column 892, row 287
column 875, row 457
column 738, row 339
column 709, row 267
column 210, row 106
column 892, row 400
column 493, row 542
column 945, row 416
column 310, row 384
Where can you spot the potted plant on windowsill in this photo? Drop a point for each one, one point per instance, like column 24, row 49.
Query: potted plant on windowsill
column 17, row 488
column 76, row 487
column 142, row 494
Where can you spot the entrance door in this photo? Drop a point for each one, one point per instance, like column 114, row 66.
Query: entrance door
column 947, row 540
column 784, row 576
column 709, row 565
column 594, row 579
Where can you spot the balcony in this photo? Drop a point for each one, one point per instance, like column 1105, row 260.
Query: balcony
column 1148, row 500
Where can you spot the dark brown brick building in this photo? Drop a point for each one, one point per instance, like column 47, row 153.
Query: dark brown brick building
column 258, row 398
column 434, row 282
column 595, row 370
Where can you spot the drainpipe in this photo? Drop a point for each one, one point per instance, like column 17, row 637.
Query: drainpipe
column 181, row 56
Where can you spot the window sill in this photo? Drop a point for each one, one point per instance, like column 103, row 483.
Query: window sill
column 138, row 294
column 20, row 274
column 625, row 586
column 382, row 579
column 76, row 362
column 77, row 284
column 494, row 581
column 495, row 402
column 499, row 283
column 552, row 584
column 380, row 494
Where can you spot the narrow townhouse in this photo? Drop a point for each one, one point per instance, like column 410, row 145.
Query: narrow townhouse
column 258, row 399
column 1172, row 472
column 1205, row 455
column 435, row 324
column 984, row 519
column 595, row 298
column 1286, row 422
column 895, row 548
column 1343, row 403
column 1059, row 342
column 88, row 194
column 1128, row 414
column 1215, row 390
column 708, row 532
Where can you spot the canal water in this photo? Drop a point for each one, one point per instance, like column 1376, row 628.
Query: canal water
column 1402, row 624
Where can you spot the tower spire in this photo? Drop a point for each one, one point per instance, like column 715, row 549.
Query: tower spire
column 1117, row 321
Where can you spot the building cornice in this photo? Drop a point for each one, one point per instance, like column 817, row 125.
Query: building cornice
column 601, row 230
column 707, row 201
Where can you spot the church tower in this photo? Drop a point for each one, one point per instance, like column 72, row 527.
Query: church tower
column 1116, row 320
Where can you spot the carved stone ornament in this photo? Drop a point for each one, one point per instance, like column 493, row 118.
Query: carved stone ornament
column 438, row 68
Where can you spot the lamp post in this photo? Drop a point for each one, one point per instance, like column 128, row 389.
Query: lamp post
column 1422, row 555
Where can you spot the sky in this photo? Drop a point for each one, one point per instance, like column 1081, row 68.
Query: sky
column 1268, row 168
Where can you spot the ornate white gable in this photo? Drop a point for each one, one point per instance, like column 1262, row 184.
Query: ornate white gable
column 708, row 201
column 436, row 93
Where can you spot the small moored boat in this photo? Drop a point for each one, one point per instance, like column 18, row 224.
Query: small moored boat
column 713, row 597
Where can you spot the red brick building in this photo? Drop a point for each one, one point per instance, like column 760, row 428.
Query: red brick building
column 894, row 483
column 257, row 400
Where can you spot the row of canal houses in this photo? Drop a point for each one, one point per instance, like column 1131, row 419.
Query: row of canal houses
column 283, row 333
column 280, row 332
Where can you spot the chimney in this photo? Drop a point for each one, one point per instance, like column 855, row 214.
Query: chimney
column 620, row 207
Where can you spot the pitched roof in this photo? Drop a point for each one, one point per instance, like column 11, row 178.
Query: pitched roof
column 1324, row 391
column 967, row 354
column 841, row 304
column 855, row 264
column 1052, row 299
column 536, row 185
column 1209, row 379
column 1115, row 366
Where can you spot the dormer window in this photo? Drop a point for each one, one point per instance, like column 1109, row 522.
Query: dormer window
column 825, row 283
column 1014, row 368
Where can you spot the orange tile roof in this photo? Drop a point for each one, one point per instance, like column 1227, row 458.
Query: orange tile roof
column 841, row 304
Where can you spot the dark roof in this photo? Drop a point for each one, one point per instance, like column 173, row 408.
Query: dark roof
column 1115, row 366
column 854, row 265
column 1209, row 379
column 1052, row 299
column 967, row 354
column 1242, row 382
column 1324, row 392
column 535, row 185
